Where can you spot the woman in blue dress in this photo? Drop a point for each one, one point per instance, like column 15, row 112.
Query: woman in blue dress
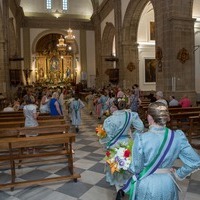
column 153, row 156
column 118, row 130
column 76, row 105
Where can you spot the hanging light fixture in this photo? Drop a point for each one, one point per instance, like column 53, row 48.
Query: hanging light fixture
column 61, row 44
column 69, row 37
column 57, row 14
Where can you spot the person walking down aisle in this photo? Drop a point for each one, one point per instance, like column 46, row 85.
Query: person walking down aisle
column 76, row 105
column 90, row 102
column 117, row 128
column 153, row 155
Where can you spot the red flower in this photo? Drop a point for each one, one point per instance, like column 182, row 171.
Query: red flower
column 107, row 153
column 127, row 153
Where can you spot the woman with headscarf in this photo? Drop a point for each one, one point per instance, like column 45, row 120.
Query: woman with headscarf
column 153, row 155
column 118, row 128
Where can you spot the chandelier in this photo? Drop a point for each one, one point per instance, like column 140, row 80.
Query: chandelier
column 69, row 37
column 61, row 44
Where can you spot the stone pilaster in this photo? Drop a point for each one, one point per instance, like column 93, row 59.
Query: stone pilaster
column 118, row 38
column 97, row 25
column 83, row 55
column 4, row 67
column 26, row 48
column 175, row 32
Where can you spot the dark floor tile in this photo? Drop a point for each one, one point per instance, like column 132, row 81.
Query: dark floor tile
column 3, row 195
column 35, row 174
column 194, row 187
column 102, row 183
column 86, row 142
column 4, row 178
column 99, row 167
column 94, row 157
column 88, row 149
column 74, row 189
column 34, row 193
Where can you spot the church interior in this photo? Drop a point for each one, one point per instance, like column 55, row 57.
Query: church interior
column 87, row 45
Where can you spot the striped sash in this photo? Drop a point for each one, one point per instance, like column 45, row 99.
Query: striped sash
column 130, row 185
column 121, row 131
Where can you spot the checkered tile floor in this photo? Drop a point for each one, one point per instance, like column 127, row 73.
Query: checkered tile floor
column 88, row 161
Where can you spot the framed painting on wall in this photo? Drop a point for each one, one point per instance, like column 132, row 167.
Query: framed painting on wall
column 150, row 70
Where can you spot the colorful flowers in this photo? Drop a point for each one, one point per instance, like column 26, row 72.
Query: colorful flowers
column 101, row 133
column 119, row 158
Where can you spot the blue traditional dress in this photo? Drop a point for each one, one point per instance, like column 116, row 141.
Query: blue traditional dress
column 117, row 128
column 102, row 100
column 76, row 106
column 160, row 183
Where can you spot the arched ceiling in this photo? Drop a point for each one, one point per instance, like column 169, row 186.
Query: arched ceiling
column 78, row 9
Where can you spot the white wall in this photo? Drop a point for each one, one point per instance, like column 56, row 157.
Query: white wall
column 197, row 57
column 146, row 48
column 196, row 14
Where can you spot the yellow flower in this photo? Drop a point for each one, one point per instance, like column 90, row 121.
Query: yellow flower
column 100, row 131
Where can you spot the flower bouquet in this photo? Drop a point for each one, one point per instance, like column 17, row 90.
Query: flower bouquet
column 101, row 133
column 119, row 158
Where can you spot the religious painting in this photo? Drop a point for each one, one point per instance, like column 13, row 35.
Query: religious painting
column 150, row 70
column 152, row 31
column 54, row 64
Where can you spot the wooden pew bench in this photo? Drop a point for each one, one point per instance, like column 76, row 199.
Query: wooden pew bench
column 194, row 131
column 182, row 121
column 41, row 122
column 40, row 117
column 17, row 158
column 17, row 114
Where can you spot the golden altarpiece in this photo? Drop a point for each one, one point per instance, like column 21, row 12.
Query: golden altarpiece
column 54, row 66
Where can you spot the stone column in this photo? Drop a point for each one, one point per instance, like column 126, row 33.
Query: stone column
column 97, row 24
column 175, row 38
column 130, row 56
column 26, row 49
column 83, row 55
column 4, row 55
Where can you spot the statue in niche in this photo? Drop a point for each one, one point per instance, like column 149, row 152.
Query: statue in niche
column 68, row 73
column 41, row 73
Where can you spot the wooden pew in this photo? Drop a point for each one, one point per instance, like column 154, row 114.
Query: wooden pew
column 14, row 146
column 42, row 130
column 17, row 114
column 181, row 121
column 194, row 131
column 41, row 122
column 20, row 118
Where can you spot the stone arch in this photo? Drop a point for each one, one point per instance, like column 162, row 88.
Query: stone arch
column 107, row 47
column 131, row 19
column 42, row 34
column 129, row 41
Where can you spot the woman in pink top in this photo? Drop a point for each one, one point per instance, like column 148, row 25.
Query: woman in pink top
column 185, row 102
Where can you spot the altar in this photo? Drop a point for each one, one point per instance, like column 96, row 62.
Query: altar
column 55, row 69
